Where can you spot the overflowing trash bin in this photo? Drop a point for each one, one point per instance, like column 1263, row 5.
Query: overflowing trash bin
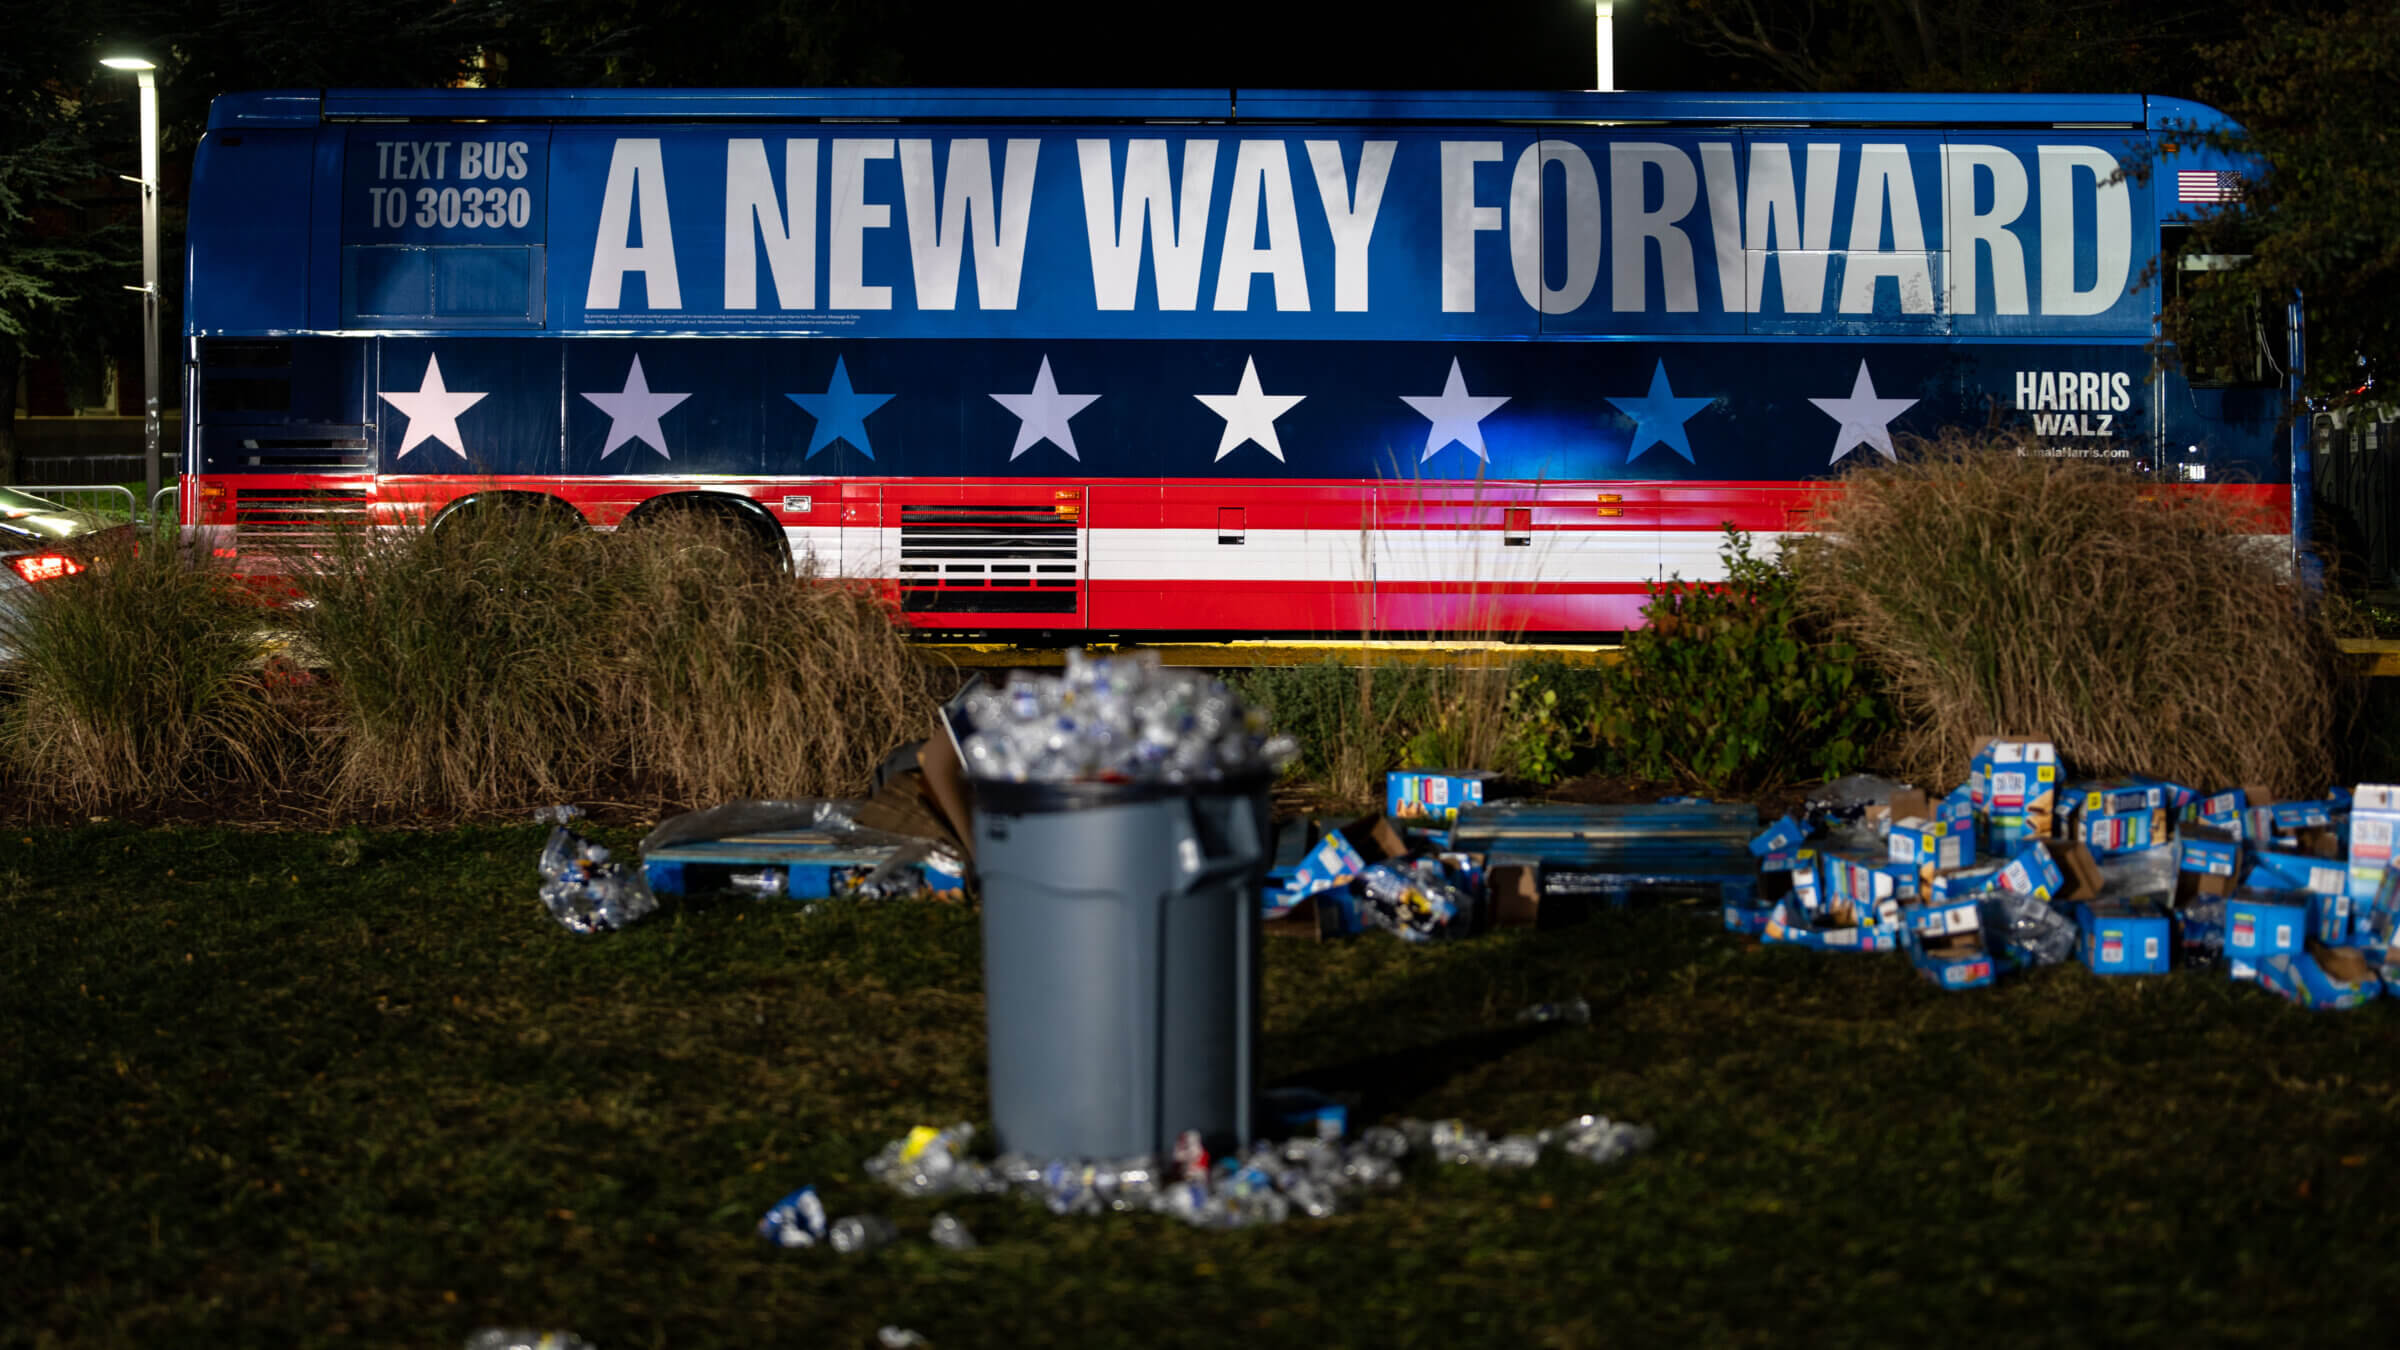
column 1121, row 835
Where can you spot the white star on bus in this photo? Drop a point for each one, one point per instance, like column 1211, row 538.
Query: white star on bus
column 633, row 414
column 1043, row 413
column 1250, row 413
column 1865, row 418
column 432, row 411
column 1456, row 414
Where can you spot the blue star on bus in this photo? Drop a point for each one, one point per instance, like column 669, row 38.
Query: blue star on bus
column 1658, row 417
column 841, row 412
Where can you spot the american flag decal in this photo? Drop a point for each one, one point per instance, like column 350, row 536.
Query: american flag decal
column 2207, row 185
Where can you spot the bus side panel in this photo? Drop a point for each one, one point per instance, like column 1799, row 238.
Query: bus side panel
column 253, row 279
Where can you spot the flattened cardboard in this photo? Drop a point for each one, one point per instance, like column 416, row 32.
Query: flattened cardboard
column 946, row 782
column 1376, row 839
column 2081, row 869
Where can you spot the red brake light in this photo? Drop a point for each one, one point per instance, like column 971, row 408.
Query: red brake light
column 45, row 566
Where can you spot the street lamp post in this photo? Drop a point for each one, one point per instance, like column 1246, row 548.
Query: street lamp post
column 1604, row 43
column 146, row 73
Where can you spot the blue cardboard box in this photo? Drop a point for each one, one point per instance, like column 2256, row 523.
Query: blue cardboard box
column 1333, row 862
column 2229, row 810
column 2374, row 825
column 1946, row 944
column 2114, row 797
column 1432, row 794
column 2123, row 937
column 1964, row 883
column 1782, row 838
column 2320, row 977
column 2258, row 926
column 2300, row 872
column 1907, row 881
column 2014, row 786
column 1749, row 917
column 1958, row 807
column 2293, row 817
column 1853, row 887
column 1931, row 845
column 2033, row 872
column 2209, row 851
column 2123, row 831
column 1786, row 926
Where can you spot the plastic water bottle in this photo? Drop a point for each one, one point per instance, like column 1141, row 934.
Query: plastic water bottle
column 858, row 1234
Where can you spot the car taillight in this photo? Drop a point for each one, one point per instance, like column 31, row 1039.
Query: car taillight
column 45, row 566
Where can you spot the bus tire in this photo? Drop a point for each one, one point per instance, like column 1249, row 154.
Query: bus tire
column 749, row 521
column 521, row 510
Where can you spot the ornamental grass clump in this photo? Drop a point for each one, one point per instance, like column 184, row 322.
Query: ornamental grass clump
column 2143, row 628
column 139, row 679
column 499, row 660
column 731, row 679
column 459, row 661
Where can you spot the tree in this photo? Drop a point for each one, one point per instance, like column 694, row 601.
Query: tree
column 2313, row 93
column 2082, row 46
column 59, row 269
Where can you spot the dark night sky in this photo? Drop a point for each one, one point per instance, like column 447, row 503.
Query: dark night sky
column 1297, row 44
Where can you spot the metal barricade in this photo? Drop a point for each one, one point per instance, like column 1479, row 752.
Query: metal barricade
column 98, row 499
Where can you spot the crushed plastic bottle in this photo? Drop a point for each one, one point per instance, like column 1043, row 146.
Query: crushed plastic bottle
column 933, row 1162
column 2031, row 929
column 1269, row 1183
column 1597, row 1139
column 556, row 815
column 899, row 1338
column 797, row 1220
column 514, row 1338
column 1415, row 900
column 1117, row 719
column 586, row 892
column 766, row 883
column 1574, row 1011
column 948, row 1232
column 858, row 1234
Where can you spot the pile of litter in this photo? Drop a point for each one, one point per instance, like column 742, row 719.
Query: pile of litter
column 582, row 888
column 1440, row 862
column 2018, row 868
column 1269, row 1184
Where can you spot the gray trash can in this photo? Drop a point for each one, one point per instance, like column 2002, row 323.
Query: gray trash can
column 1120, row 962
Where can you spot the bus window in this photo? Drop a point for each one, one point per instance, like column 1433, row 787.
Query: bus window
column 2248, row 354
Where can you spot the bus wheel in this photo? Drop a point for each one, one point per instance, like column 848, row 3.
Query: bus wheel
column 749, row 536
column 512, row 512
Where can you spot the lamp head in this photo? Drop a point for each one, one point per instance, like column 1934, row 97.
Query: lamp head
column 127, row 63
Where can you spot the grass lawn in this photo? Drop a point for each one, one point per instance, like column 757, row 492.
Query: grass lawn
column 268, row 1089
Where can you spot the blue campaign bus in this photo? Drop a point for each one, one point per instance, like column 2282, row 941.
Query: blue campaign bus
column 1147, row 362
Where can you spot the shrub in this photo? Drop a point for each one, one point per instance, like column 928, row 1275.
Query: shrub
column 734, row 681
column 1732, row 687
column 138, row 679
column 462, row 660
column 1527, row 720
column 2136, row 626
column 492, row 663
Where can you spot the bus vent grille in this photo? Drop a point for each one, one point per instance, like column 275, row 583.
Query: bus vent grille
column 298, row 454
column 989, row 559
column 266, row 515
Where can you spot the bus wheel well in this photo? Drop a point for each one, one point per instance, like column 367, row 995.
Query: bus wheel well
column 746, row 515
column 539, row 508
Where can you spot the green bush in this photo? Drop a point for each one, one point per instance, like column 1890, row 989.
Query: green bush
column 1530, row 721
column 1731, row 686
